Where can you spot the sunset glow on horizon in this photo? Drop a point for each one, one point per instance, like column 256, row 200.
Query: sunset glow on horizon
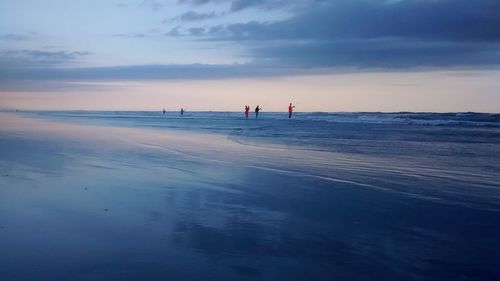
column 385, row 92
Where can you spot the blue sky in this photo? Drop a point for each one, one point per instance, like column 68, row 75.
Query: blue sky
column 55, row 45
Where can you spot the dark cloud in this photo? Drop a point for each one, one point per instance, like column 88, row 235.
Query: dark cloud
column 194, row 31
column 173, row 32
column 270, row 65
column 53, row 78
column 12, row 59
column 193, row 16
column 389, row 53
column 369, row 33
column 195, row 2
column 29, row 85
column 238, row 5
column 179, row 32
column 458, row 20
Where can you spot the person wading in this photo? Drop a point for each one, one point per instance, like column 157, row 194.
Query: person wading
column 257, row 109
column 247, row 109
column 290, row 110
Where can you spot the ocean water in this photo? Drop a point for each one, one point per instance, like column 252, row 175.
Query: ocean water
column 323, row 131
column 214, row 196
column 446, row 149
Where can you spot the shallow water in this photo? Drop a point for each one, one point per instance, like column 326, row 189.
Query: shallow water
column 118, row 196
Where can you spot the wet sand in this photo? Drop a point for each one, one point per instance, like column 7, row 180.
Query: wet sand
column 89, row 202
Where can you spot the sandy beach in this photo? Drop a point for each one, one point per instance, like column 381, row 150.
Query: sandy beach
column 94, row 201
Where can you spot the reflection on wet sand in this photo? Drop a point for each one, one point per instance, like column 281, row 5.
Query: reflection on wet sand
column 88, row 202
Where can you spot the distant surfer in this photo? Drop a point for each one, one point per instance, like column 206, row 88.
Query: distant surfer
column 164, row 111
column 257, row 109
column 182, row 111
column 290, row 110
column 247, row 109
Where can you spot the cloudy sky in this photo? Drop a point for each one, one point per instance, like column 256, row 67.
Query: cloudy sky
column 326, row 55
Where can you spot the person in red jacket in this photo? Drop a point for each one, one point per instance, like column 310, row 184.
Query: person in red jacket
column 290, row 110
column 247, row 109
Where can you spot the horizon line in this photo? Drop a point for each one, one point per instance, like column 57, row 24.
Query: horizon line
column 9, row 110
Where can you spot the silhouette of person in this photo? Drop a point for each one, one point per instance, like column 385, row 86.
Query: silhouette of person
column 257, row 109
column 247, row 109
column 182, row 111
column 290, row 110
column 164, row 111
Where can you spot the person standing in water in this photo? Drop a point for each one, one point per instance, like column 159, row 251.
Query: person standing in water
column 247, row 109
column 257, row 109
column 182, row 111
column 164, row 111
column 290, row 110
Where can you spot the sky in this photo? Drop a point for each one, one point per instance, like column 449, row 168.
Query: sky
column 324, row 55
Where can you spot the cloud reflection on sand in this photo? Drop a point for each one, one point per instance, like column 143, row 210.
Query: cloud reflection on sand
column 110, row 203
